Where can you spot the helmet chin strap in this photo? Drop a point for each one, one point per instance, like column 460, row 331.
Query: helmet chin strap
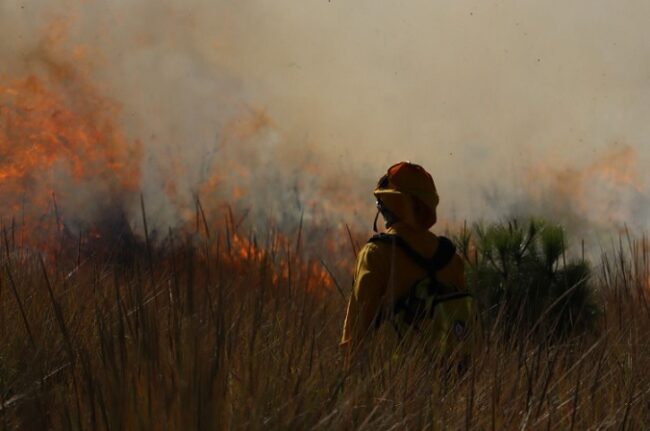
column 388, row 215
column 374, row 224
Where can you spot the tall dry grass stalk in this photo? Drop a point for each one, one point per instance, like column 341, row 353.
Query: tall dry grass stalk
column 221, row 331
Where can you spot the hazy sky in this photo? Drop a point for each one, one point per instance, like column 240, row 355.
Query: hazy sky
column 481, row 93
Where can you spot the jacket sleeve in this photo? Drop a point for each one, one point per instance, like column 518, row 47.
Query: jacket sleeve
column 370, row 280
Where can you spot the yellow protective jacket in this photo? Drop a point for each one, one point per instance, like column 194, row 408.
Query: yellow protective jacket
column 385, row 273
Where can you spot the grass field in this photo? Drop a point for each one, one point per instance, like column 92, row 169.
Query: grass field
column 228, row 331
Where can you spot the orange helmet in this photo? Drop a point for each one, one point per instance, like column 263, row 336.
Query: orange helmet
column 410, row 179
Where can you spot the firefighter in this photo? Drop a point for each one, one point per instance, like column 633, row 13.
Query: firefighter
column 391, row 264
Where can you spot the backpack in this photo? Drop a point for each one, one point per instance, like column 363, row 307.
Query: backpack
column 452, row 313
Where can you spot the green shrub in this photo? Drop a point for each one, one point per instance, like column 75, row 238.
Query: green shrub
column 524, row 281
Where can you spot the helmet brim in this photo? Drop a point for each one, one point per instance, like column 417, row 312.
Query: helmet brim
column 379, row 192
column 427, row 199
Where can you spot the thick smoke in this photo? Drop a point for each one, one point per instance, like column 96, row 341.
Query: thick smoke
column 293, row 104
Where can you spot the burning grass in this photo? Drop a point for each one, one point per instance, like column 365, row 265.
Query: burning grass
column 58, row 133
column 230, row 331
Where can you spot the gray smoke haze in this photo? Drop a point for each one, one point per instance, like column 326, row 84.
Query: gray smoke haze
column 504, row 102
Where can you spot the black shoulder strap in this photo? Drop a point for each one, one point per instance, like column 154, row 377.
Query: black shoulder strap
column 440, row 259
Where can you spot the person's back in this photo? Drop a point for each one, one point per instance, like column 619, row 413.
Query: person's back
column 385, row 272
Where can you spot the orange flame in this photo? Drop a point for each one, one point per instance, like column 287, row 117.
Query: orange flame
column 243, row 254
column 52, row 128
column 59, row 134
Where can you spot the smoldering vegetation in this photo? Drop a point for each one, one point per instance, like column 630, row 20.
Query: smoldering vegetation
column 219, row 328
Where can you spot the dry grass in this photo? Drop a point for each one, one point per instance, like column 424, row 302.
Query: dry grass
column 218, row 333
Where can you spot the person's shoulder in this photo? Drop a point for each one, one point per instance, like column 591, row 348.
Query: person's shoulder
column 455, row 258
column 374, row 249
column 373, row 245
